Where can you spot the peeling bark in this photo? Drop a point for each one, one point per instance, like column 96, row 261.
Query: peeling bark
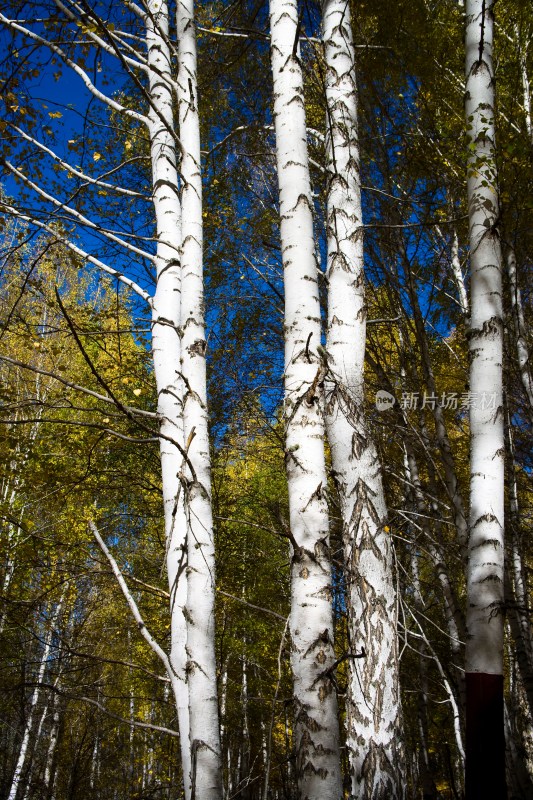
column 166, row 350
column 201, row 661
column 374, row 719
column 316, row 734
column 485, row 741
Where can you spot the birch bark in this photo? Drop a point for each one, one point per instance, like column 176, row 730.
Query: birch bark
column 166, row 348
column 316, row 734
column 201, row 664
column 374, row 720
column 21, row 760
column 49, row 776
column 485, row 742
column 526, row 84
column 458, row 274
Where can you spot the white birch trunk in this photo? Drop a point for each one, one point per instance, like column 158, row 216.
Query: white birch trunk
column 33, row 703
column 95, row 763
column 485, row 578
column 36, row 743
column 166, row 347
column 10, row 491
column 458, row 274
column 244, row 754
column 224, row 739
column 526, row 85
column 374, row 720
column 201, row 664
column 316, row 734
column 522, row 351
column 48, row 780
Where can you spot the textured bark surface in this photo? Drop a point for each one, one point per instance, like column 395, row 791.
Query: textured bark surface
column 316, row 734
column 201, row 662
column 166, row 349
column 374, row 720
column 485, row 577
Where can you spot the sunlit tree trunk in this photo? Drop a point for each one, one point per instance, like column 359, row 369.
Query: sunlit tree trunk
column 244, row 744
column 201, row 664
column 166, row 348
column 458, row 274
column 485, row 742
column 526, row 85
column 316, row 734
column 374, row 721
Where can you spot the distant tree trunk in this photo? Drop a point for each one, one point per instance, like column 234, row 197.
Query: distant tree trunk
column 9, row 492
column 21, row 761
column 374, row 719
column 519, row 780
column 522, row 351
column 517, row 596
column 316, row 733
column 441, row 434
column 485, row 740
column 526, row 85
column 452, row 611
column 166, row 348
column 244, row 744
column 429, row 790
column 49, row 775
column 458, row 274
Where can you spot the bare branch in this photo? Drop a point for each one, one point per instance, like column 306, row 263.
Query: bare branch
column 78, row 250
column 158, row 650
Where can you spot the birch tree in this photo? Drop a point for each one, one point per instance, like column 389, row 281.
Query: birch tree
column 200, row 610
column 23, row 752
column 485, row 744
column 166, row 348
column 147, row 61
column 374, row 721
column 116, row 179
column 316, row 735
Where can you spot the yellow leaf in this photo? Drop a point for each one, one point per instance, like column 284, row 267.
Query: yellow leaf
column 97, row 156
column 55, row 114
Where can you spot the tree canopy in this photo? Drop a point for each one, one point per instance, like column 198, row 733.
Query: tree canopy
column 216, row 475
